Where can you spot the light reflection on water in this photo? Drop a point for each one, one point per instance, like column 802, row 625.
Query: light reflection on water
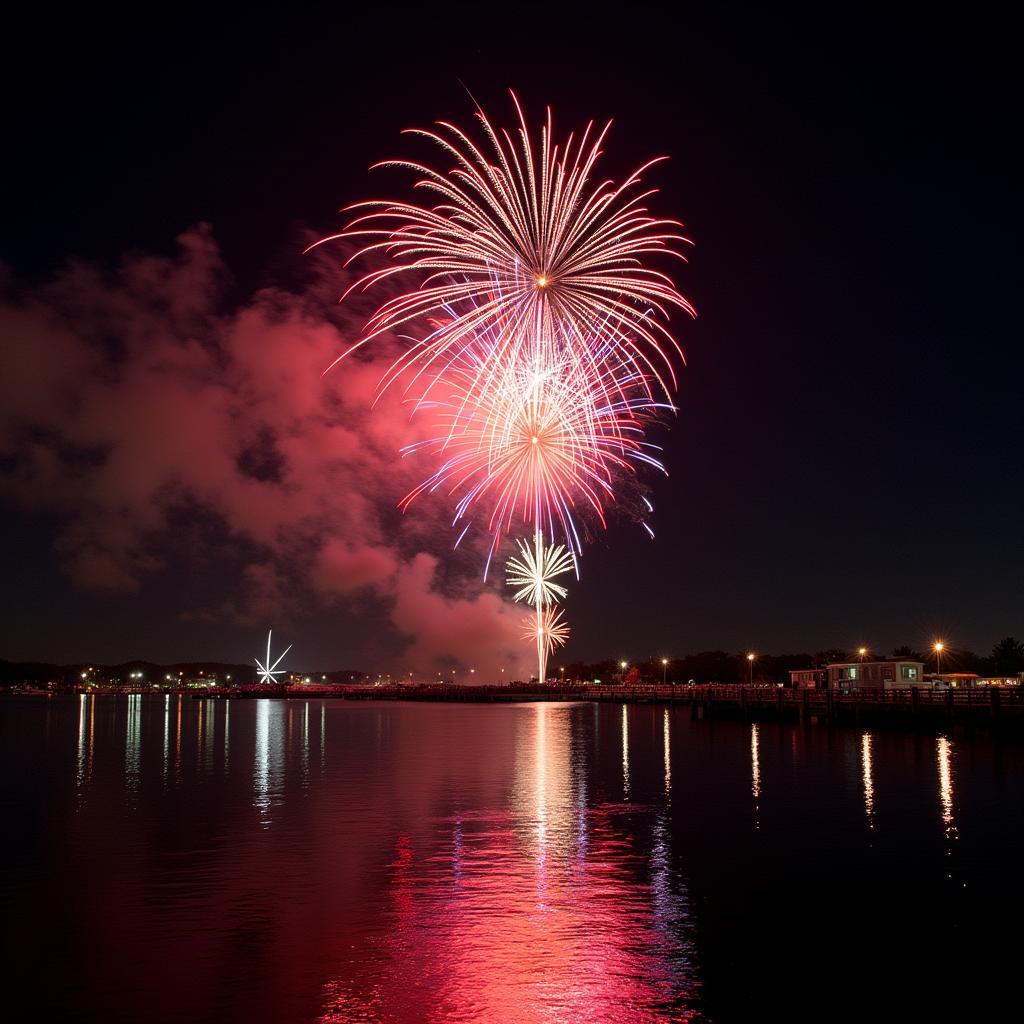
column 755, row 761
column 667, row 740
column 269, row 756
column 132, row 742
column 538, row 914
column 944, row 756
column 625, row 752
column 86, row 727
column 867, row 772
column 442, row 863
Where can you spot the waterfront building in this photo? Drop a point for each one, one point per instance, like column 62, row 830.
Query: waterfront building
column 808, row 678
column 887, row 674
column 962, row 680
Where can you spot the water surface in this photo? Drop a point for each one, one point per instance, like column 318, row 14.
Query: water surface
column 167, row 859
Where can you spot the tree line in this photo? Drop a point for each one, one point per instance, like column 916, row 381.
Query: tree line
column 1006, row 658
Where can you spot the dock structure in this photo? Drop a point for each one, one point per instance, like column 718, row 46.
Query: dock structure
column 910, row 705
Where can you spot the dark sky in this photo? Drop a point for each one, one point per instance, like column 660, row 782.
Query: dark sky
column 847, row 464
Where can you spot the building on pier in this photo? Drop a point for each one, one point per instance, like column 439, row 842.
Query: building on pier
column 887, row 674
column 808, row 678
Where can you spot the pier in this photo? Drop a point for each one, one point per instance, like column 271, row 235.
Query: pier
column 911, row 705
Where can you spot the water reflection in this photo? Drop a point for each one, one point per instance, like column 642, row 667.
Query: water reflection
column 269, row 757
column 86, row 732
column 200, row 707
column 543, row 793
column 755, row 761
column 944, row 754
column 261, row 770
column 323, row 735
column 133, row 739
column 625, row 752
column 478, row 863
column 536, row 914
column 208, row 730
column 667, row 740
column 167, row 737
column 867, row 774
column 305, row 745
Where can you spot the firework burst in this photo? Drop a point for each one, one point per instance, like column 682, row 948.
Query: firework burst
column 523, row 241
column 268, row 670
column 533, row 576
column 534, row 572
column 550, row 629
column 541, row 341
column 538, row 441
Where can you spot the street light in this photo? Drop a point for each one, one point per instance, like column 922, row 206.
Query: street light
column 862, row 653
column 664, row 670
column 750, row 658
column 938, row 647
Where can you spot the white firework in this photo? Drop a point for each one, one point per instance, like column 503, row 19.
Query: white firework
column 550, row 628
column 534, row 573
column 535, row 570
column 268, row 672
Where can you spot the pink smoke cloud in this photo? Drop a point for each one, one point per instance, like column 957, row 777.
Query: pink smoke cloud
column 131, row 401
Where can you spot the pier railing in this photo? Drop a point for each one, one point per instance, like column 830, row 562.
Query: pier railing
column 1004, row 703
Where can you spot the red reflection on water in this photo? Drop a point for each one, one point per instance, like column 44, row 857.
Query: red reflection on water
column 544, row 912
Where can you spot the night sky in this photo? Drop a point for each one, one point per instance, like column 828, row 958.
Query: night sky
column 846, row 466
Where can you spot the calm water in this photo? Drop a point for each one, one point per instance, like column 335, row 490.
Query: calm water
column 166, row 859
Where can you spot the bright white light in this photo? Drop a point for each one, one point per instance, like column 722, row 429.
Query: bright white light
column 534, row 572
column 268, row 672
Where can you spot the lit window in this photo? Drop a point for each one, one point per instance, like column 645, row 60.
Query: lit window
column 909, row 672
